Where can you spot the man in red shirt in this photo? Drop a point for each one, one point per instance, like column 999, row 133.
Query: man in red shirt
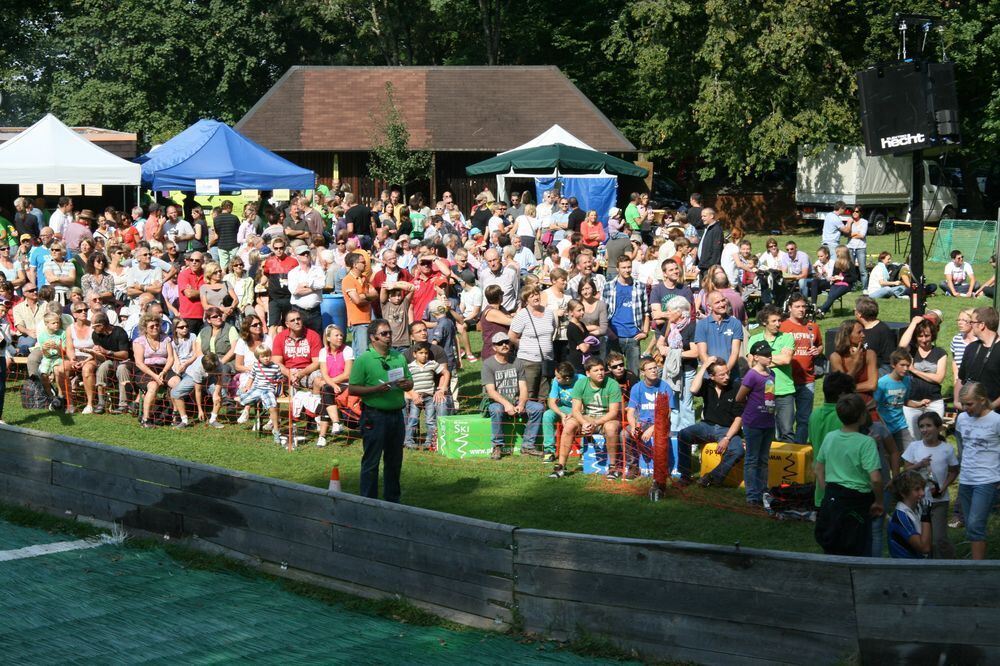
column 275, row 276
column 296, row 350
column 189, row 283
column 808, row 345
column 426, row 281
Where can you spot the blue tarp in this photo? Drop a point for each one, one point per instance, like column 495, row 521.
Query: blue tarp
column 210, row 149
column 598, row 193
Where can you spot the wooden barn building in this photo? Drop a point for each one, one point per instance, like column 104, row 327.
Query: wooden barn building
column 322, row 118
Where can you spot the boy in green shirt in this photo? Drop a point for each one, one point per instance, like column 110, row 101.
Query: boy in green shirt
column 597, row 403
column 782, row 349
column 824, row 419
column 848, row 467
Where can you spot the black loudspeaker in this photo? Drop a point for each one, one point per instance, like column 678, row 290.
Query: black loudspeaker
column 908, row 106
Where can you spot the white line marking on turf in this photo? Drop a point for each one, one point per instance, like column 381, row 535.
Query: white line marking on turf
column 47, row 549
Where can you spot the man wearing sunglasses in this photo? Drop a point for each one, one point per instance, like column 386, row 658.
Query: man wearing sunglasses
column 189, row 283
column 381, row 377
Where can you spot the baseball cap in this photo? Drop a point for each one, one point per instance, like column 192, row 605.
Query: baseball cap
column 302, row 249
column 26, row 237
column 761, row 348
column 499, row 337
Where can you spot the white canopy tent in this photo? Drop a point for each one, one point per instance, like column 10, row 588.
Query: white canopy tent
column 50, row 152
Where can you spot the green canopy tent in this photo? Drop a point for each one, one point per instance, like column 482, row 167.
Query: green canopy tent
column 554, row 159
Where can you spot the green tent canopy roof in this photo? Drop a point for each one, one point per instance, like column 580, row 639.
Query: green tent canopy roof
column 555, row 157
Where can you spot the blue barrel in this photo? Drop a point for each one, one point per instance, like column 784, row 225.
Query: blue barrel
column 334, row 311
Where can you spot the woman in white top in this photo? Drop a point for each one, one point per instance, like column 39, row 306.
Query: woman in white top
column 555, row 299
column 12, row 270
column 528, row 227
column 83, row 361
column 857, row 246
column 730, row 251
column 879, row 284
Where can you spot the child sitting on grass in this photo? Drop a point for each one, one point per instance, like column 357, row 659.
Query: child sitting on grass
column 55, row 346
column 204, row 368
column 937, row 462
column 560, row 409
column 425, row 371
column 910, row 524
column 262, row 384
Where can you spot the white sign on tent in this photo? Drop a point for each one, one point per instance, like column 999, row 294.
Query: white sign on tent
column 206, row 186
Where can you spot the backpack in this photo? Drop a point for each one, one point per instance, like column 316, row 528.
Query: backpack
column 793, row 497
column 33, row 395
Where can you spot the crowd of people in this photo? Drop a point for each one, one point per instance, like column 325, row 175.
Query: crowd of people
column 584, row 324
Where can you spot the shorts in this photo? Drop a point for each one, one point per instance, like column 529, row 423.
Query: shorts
column 264, row 396
column 186, row 387
column 277, row 308
column 141, row 379
column 307, row 382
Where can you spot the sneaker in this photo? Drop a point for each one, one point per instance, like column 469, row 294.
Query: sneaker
column 146, row 424
column 558, row 472
column 530, row 452
column 100, row 409
column 614, row 475
column 549, row 457
column 277, row 439
column 267, row 426
column 470, row 357
column 956, row 522
column 87, row 410
column 120, row 409
column 244, row 415
column 336, row 429
column 215, row 424
column 706, row 481
column 321, row 442
column 181, row 424
column 496, row 453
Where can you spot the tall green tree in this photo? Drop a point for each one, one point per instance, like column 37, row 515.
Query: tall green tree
column 391, row 158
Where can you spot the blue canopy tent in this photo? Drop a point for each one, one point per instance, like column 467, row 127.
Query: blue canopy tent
column 213, row 150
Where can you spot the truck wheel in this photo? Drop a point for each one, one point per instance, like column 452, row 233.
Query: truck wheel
column 949, row 213
column 878, row 225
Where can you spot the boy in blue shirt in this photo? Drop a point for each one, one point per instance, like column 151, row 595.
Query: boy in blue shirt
column 891, row 395
column 641, row 413
column 560, row 405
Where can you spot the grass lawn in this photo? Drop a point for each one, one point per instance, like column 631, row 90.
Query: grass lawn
column 513, row 490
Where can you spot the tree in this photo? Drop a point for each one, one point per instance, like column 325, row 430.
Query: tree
column 391, row 158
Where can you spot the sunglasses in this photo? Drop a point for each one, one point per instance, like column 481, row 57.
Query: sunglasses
column 617, row 366
column 383, row 334
column 80, row 311
column 181, row 327
column 215, row 316
column 256, row 324
column 29, row 291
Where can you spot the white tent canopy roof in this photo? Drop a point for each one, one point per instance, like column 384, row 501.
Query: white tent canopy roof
column 552, row 136
column 50, row 152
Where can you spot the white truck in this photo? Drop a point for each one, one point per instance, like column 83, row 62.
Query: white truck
column 880, row 186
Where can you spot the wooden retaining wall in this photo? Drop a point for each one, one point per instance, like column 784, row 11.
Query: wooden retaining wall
column 667, row 600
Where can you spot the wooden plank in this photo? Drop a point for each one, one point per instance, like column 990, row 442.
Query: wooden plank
column 123, row 462
column 421, row 525
column 25, row 465
column 102, row 483
column 691, row 633
column 293, row 499
column 750, row 570
column 490, row 567
column 707, row 598
column 928, row 583
column 34, row 494
column 928, row 624
column 388, row 579
column 889, row 651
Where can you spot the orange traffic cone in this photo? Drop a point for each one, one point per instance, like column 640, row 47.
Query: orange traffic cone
column 335, row 479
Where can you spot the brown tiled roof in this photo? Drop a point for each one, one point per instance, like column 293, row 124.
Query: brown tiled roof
column 445, row 108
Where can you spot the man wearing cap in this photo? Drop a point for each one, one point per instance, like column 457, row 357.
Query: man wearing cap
column 73, row 234
column 381, row 377
column 516, row 209
column 62, row 217
column 111, row 350
column 305, row 284
column 507, row 388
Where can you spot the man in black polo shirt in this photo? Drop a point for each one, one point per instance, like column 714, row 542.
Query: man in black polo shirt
column 111, row 350
column 226, row 226
column 981, row 361
column 721, row 421
column 576, row 215
column 359, row 220
column 878, row 336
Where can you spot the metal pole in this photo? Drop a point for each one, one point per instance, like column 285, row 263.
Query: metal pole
column 917, row 301
column 996, row 269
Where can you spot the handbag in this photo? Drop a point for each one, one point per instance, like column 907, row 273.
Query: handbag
column 547, row 238
column 821, row 364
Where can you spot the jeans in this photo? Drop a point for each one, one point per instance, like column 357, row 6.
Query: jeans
column 635, row 447
column 961, row 288
column 817, row 286
column 836, row 291
column 756, row 461
column 382, row 437
column 683, row 416
column 889, row 292
column 24, row 344
column 550, row 420
column 804, row 286
column 977, row 501
column 784, row 417
column 629, row 348
column 705, row 433
column 430, row 409
column 359, row 339
column 804, row 395
column 498, row 416
column 860, row 256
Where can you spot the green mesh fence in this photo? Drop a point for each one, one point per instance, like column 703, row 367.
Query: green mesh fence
column 119, row 605
column 975, row 238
